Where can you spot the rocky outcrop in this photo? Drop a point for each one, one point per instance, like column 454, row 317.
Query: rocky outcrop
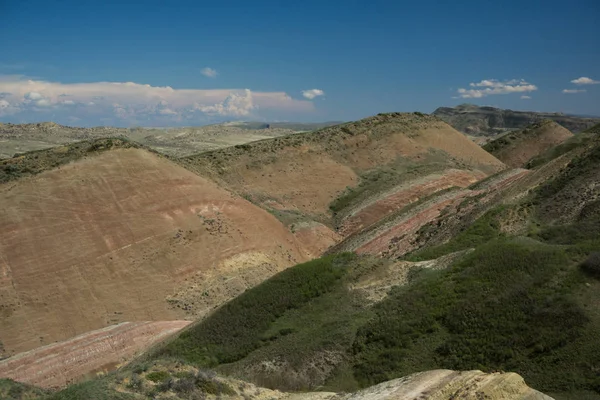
column 446, row 384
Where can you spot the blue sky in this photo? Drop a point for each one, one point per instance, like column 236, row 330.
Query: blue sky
column 194, row 62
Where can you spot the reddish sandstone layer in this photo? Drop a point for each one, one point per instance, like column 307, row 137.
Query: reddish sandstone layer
column 397, row 235
column 60, row 364
column 404, row 195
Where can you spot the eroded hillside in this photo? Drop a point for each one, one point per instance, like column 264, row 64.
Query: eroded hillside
column 121, row 235
column 347, row 167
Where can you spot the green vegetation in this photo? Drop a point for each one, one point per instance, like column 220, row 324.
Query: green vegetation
column 158, row 376
column 11, row 390
column 500, row 143
column 97, row 389
column 511, row 305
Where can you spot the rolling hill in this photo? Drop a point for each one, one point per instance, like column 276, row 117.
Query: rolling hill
column 517, row 148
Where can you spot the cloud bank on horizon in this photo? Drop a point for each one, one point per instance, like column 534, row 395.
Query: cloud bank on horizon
column 129, row 103
column 488, row 87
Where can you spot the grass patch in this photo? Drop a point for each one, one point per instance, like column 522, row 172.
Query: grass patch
column 158, row 376
column 510, row 305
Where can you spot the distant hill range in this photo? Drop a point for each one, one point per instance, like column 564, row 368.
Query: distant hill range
column 489, row 121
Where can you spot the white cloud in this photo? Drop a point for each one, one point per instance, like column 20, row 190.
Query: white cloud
column 573, row 90
column 7, row 109
column 209, row 72
column 128, row 103
column 526, row 97
column 236, row 104
column 33, row 96
column 585, row 81
column 312, row 93
column 488, row 87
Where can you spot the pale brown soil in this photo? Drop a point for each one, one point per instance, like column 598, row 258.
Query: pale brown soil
column 60, row 364
column 110, row 238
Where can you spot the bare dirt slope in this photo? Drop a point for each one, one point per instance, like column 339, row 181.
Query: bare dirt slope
column 516, row 149
column 305, row 173
column 60, row 364
column 113, row 237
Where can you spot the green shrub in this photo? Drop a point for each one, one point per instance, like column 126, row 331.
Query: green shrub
column 158, row 376
column 591, row 266
column 509, row 306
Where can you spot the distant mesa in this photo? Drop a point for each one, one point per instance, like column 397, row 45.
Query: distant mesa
column 490, row 121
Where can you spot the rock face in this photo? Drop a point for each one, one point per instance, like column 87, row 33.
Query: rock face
column 446, row 384
column 489, row 121
column 516, row 148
